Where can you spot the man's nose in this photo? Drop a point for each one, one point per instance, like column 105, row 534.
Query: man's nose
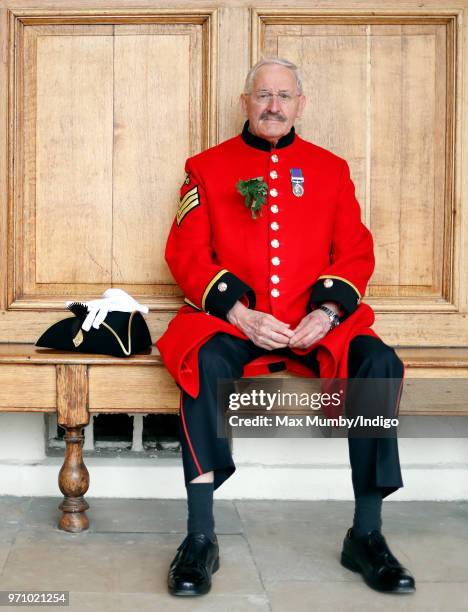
column 273, row 104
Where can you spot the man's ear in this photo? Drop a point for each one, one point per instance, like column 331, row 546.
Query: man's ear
column 243, row 103
column 300, row 110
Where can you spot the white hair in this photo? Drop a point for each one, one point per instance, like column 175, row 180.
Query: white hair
column 272, row 60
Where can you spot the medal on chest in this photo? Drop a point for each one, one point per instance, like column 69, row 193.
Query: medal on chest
column 296, row 182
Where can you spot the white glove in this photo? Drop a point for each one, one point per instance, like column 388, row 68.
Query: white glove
column 121, row 296
column 115, row 300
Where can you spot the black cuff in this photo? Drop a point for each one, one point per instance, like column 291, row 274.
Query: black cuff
column 328, row 289
column 224, row 293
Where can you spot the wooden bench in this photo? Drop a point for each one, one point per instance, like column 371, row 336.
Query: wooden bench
column 76, row 385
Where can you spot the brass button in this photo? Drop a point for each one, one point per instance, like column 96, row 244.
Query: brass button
column 274, row 174
column 275, row 279
column 328, row 283
column 274, row 226
column 274, row 208
column 274, row 243
column 274, row 158
column 275, row 261
column 275, row 292
column 273, row 192
column 222, row 286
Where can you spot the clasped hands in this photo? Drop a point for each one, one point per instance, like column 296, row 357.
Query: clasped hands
column 268, row 332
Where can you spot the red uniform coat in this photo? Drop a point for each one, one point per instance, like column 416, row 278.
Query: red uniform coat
column 302, row 251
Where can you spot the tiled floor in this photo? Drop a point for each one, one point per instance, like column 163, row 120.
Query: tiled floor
column 277, row 556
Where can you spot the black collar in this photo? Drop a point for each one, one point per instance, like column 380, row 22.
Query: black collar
column 265, row 145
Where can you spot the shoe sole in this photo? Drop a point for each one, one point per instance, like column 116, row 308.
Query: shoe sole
column 351, row 565
column 185, row 593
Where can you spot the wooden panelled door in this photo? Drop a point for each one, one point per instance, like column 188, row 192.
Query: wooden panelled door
column 102, row 103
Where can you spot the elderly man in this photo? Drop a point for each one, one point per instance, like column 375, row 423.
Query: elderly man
column 270, row 251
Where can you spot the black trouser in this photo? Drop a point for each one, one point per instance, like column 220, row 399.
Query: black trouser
column 374, row 461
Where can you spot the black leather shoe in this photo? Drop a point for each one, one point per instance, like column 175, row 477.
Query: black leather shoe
column 371, row 556
column 196, row 559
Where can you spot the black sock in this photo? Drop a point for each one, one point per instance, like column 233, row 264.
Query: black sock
column 200, row 507
column 367, row 512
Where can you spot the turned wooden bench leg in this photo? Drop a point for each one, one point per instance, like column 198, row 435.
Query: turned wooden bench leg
column 72, row 414
column 74, row 482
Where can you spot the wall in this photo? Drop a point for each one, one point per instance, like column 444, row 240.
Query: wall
column 433, row 469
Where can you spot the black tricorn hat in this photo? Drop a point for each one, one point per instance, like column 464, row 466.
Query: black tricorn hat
column 121, row 334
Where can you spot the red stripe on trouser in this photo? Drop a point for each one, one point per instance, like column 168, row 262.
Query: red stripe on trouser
column 181, row 406
column 397, row 404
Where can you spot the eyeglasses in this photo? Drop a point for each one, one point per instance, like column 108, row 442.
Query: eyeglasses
column 265, row 97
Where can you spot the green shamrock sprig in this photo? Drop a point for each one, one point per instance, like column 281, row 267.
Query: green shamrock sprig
column 255, row 191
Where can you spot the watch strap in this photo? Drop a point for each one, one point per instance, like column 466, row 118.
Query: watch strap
column 334, row 318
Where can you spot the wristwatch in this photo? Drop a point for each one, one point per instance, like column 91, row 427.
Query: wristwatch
column 334, row 318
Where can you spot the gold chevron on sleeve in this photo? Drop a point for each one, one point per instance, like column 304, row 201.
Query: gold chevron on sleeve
column 189, row 201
